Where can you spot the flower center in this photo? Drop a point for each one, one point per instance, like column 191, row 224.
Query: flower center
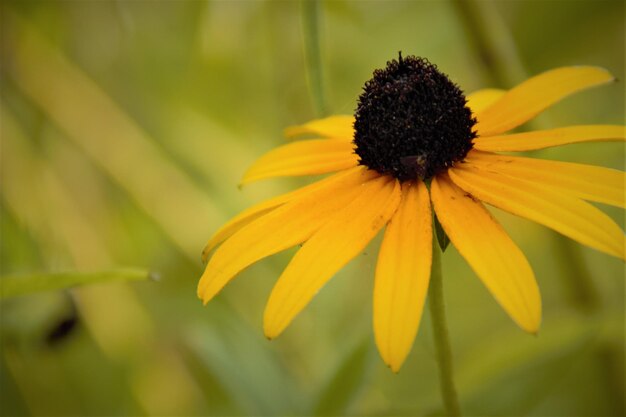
column 412, row 121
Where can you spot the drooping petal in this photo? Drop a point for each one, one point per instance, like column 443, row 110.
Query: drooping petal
column 402, row 275
column 489, row 250
column 545, row 205
column 308, row 157
column 334, row 245
column 541, row 139
column 588, row 182
column 335, row 127
column 534, row 95
column 286, row 226
column 264, row 207
column 239, row 221
column 480, row 100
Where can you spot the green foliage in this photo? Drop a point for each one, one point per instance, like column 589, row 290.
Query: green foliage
column 17, row 285
column 442, row 237
column 126, row 127
column 346, row 382
column 532, row 365
column 242, row 363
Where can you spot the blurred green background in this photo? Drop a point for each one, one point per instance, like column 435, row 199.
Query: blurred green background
column 126, row 126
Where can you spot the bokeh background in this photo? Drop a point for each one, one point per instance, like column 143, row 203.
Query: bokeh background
column 126, row 126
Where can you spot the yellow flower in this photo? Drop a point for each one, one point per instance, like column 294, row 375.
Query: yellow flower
column 414, row 127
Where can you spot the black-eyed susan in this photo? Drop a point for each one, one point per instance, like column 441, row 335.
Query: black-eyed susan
column 414, row 127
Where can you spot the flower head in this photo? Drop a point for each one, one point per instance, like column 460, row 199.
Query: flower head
column 414, row 127
column 412, row 121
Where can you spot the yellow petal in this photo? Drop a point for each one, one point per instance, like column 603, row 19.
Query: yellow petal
column 491, row 253
column 308, row 157
column 534, row 95
column 334, row 245
column 264, row 207
column 335, row 127
column 402, row 275
column 545, row 205
column 286, row 226
column 480, row 100
column 240, row 221
column 588, row 182
column 541, row 139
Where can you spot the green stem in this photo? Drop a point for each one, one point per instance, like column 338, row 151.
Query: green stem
column 585, row 297
column 492, row 40
column 495, row 45
column 440, row 333
column 312, row 53
column 576, row 276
